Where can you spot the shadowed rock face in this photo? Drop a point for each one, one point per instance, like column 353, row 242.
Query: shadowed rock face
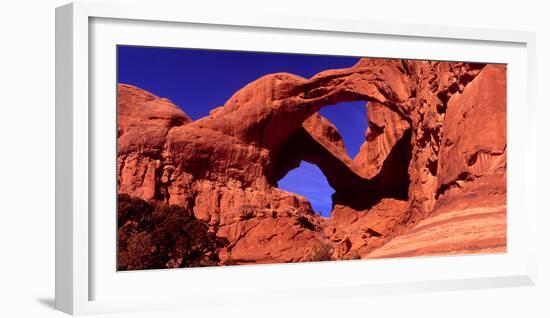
column 435, row 144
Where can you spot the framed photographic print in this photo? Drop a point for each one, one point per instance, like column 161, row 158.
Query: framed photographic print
column 261, row 157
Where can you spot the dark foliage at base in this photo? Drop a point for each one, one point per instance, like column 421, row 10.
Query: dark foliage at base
column 320, row 253
column 154, row 236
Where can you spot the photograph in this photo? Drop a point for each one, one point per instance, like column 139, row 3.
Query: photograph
column 241, row 158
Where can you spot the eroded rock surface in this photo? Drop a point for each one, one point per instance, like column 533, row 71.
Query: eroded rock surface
column 143, row 122
column 436, row 139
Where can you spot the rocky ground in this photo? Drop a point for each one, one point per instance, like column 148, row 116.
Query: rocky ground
column 429, row 179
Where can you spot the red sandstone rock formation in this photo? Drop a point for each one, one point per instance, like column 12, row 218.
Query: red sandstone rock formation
column 471, row 177
column 143, row 122
column 435, row 146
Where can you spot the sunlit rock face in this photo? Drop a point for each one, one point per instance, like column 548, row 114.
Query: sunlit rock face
column 433, row 162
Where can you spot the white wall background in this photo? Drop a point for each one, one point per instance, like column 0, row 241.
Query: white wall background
column 27, row 159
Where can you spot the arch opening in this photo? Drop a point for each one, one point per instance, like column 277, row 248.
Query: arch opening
column 350, row 118
column 330, row 142
column 309, row 181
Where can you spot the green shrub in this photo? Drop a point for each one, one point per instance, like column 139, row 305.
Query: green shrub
column 321, row 252
column 152, row 236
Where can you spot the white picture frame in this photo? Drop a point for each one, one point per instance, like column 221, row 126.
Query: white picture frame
column 77, row 150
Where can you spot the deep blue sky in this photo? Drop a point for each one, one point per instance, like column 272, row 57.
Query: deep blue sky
column 200, row 80
column 310, row 182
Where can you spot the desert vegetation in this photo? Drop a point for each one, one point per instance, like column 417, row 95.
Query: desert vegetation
column 153, row 235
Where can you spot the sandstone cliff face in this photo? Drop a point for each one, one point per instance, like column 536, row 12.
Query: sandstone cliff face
column 143, row 122
column 471, row 176
column 436, row 139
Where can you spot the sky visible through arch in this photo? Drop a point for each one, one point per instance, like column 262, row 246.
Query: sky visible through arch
column 200, row 80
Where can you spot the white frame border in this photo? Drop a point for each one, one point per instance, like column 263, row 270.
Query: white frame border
column 72, row 141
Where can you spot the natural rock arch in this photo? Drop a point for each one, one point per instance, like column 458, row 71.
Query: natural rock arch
column 224, row 167
column 319, row 142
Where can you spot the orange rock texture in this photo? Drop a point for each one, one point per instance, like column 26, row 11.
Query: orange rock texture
column 429, row 179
